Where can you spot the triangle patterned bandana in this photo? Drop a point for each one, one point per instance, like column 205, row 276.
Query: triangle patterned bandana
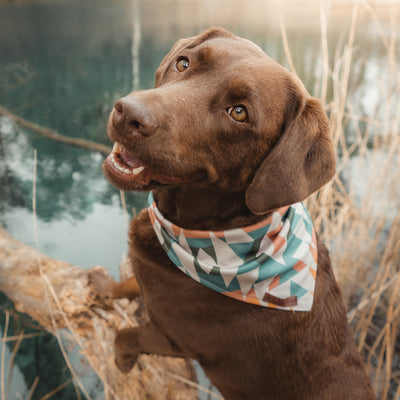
column 272, row 263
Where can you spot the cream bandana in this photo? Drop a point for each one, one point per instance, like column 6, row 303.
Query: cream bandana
column 272, row 263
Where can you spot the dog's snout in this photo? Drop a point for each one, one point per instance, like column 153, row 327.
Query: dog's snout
column 131, row 117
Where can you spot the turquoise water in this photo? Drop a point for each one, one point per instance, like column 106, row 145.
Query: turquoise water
column 64, row 63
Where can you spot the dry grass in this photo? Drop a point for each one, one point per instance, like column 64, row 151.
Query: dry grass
column 362, row 226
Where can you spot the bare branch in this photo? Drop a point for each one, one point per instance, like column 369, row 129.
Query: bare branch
column 50, row 134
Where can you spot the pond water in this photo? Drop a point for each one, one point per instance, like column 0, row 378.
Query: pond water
column 64, row 63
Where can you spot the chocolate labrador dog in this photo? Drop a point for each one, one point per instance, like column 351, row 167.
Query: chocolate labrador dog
column 225, row 258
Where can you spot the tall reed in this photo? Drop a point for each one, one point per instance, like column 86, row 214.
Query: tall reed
column 357, row 214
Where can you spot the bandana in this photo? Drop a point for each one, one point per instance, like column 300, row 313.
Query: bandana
column 272, row 263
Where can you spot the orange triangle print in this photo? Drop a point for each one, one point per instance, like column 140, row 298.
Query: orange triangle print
column 299, row 266
column 274, row 283
column 279, row 242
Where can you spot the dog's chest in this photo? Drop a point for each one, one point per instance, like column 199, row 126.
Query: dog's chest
column 166, row 291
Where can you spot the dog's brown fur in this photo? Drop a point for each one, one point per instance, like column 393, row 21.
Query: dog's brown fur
column 228, row 174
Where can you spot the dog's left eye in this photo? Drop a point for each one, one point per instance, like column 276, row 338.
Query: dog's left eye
column 238, row 113
column 182, row 64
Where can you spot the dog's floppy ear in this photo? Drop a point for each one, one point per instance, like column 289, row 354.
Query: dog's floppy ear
column 301, row 162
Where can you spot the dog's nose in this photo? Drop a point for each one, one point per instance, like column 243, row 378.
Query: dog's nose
column 131, row 117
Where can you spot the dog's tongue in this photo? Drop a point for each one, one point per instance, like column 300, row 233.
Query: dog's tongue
column 128, row 159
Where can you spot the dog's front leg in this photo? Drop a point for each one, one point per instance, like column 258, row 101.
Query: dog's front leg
column 130, row 342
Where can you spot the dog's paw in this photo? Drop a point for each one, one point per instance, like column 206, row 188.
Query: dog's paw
column 101, row 284
column 126, row 349
column 125, row 362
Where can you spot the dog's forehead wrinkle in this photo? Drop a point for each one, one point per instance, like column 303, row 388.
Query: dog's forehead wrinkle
column 209, row 35
column 256, row 83
column 241, row 88
column 205, row 54
column 222, row 46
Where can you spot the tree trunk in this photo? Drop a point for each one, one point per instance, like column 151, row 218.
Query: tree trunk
column 57, row 295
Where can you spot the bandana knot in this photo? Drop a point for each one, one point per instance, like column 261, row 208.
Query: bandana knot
column 272, row 263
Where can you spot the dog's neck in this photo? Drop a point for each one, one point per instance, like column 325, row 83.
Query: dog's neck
column 193, row 208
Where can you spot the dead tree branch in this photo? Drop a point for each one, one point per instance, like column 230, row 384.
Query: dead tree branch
column 50, row 134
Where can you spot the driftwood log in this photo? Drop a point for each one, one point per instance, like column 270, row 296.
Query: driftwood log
column 58, row 296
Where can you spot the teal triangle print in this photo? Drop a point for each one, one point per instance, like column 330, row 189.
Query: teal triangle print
column 297, row 290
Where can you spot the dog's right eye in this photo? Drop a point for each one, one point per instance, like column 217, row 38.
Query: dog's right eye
column 238, row 113
column 182, row 64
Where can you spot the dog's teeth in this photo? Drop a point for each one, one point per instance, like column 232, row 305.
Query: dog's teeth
column 114, row 157
column 116, row 148
column 137, row 171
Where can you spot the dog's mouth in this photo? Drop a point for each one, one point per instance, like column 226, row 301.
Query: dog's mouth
column 128, row 173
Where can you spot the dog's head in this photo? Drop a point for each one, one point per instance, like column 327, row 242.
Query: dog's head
column 222, row 115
